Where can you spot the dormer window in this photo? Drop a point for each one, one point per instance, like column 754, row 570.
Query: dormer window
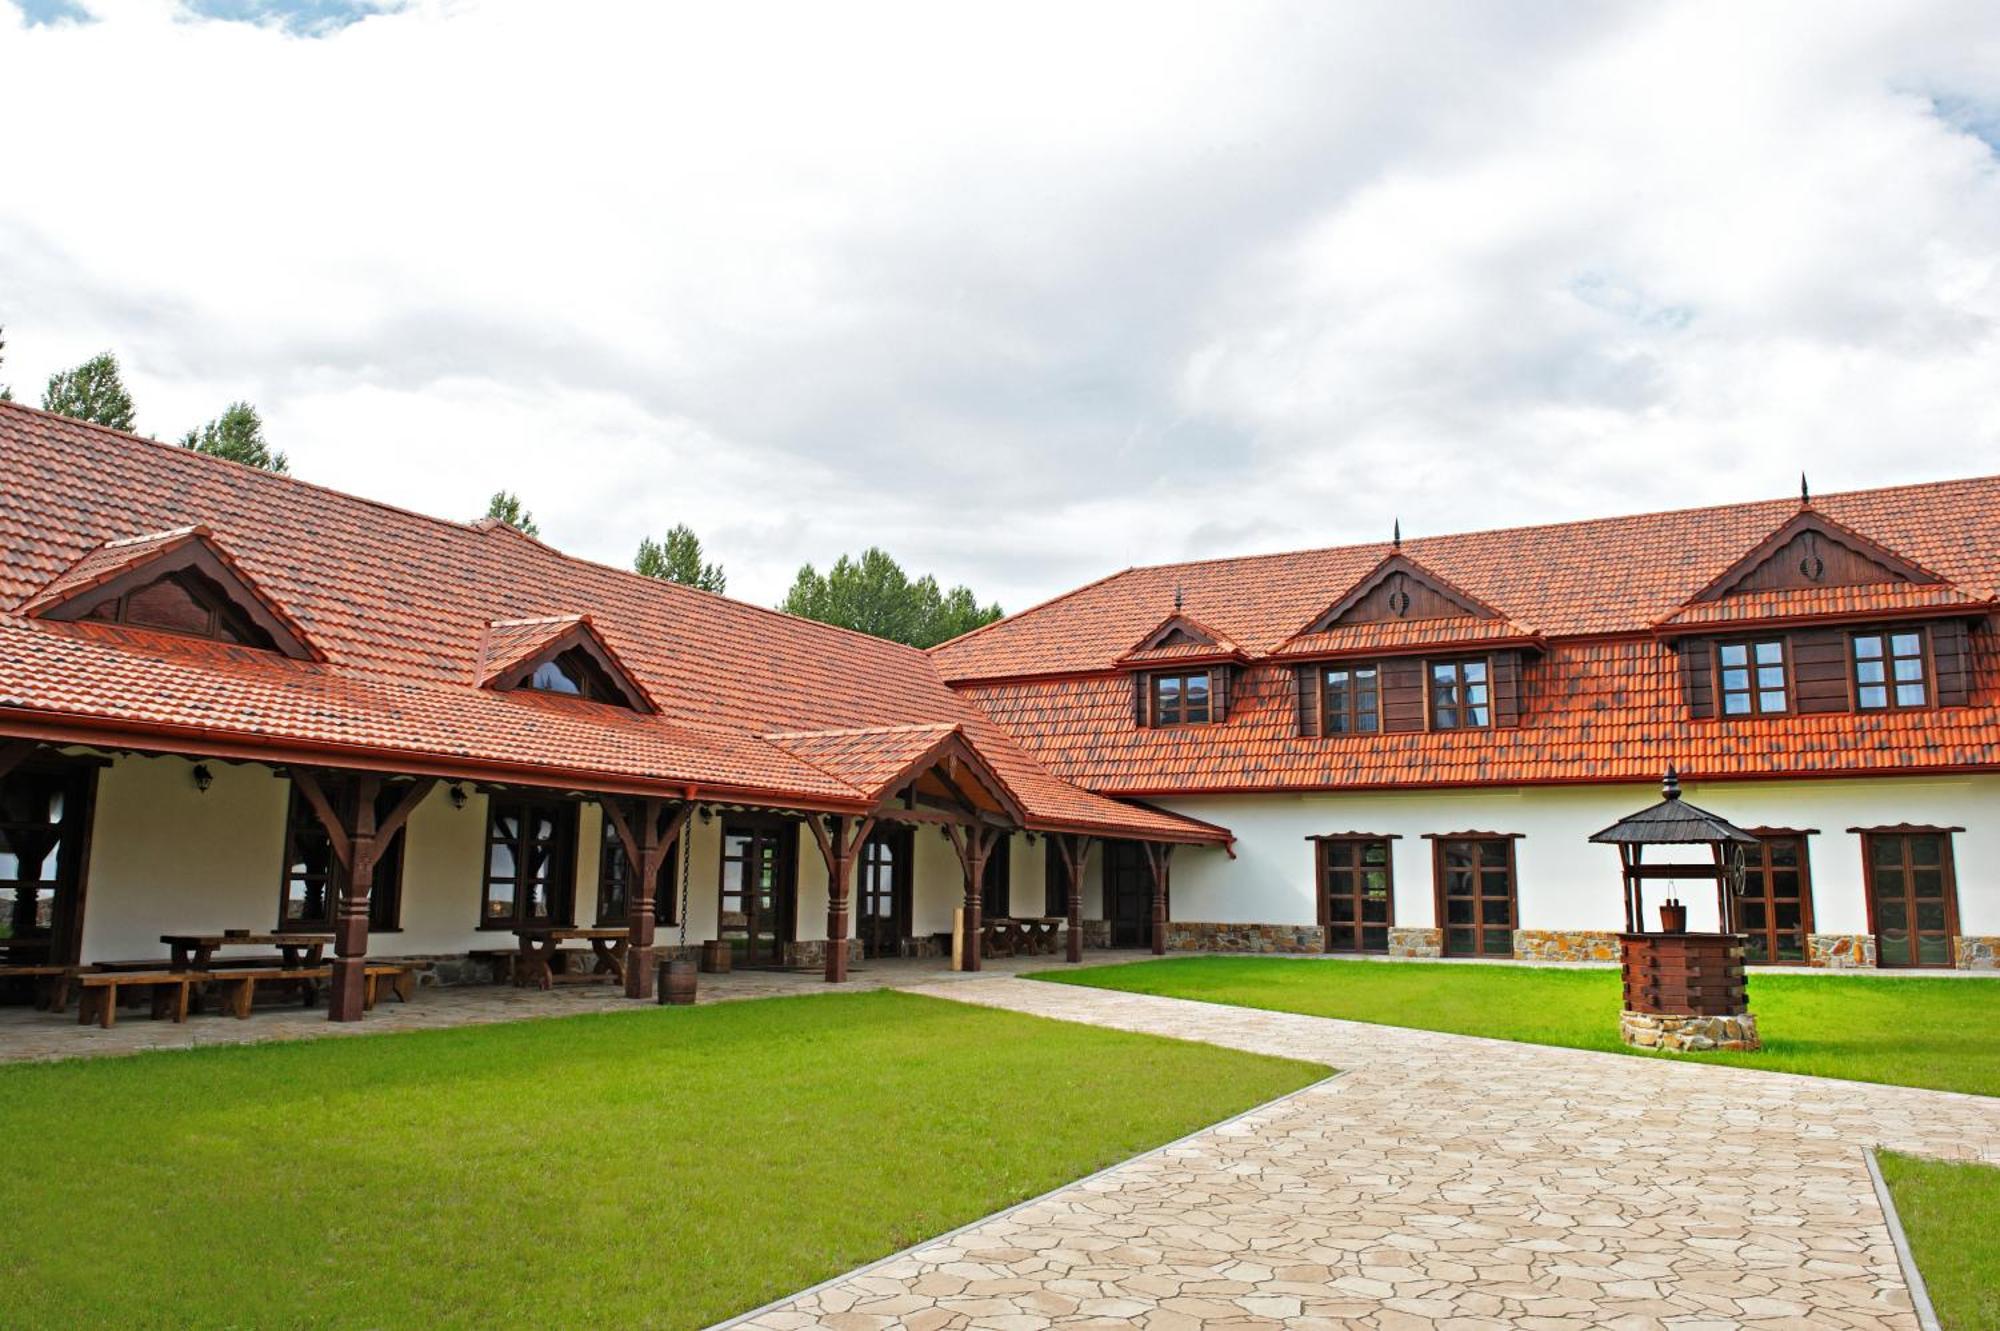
column 1889, row 670
column 180, row 603
column 1460, row 695
column 562, row 655
column 1352, row 700
column 1181, row 699
column 1753, row 677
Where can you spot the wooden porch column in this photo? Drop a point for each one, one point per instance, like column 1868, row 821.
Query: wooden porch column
column 974, row 845
column 357, row 840
column 1159, row 856
column 646, row 849
column 1075, row 853
column 838, row 848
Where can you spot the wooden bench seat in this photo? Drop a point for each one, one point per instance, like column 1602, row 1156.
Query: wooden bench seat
column 52, row 982
column 507, row 969
column 239, row 984
column 99, row 994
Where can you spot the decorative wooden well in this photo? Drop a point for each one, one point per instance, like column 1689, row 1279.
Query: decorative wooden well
column 1684, row 992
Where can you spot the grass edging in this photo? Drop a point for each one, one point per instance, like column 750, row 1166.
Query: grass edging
column 866, row 1267
column 1920, row 1297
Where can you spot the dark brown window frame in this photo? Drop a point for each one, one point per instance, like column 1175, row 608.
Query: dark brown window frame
column 1803, row 836
column 1948, row 864
column 1350, row 714
column 1438, row 841
column 562, row 884
column 225, row 622
column 1755, row 693
column 65, row 939
column 1889, row 683
column 1457, row 665
column 385, row 891
column 783, row 833
column 1181, row 713
column 1353, row 841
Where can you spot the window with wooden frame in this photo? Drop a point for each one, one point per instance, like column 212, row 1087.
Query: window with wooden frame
column 1474, row 880
column 1774, row 910
column 574, row 674
column 309, row 887
column 1461, row 695
column 996, row 888
column 184, row 603
column 1751, row 677
column 1181, row 699
column 1890, row 670
column 614, row 878
column 1356, row 892
column 1912, row 894
column 1351, row 699
column 530, row 863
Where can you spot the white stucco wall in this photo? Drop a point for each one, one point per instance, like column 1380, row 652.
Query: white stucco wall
column 1566, row 882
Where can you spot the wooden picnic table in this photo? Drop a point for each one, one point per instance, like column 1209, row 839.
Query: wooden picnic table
column 539, row 944
column 1017, row 936
column 194, row 952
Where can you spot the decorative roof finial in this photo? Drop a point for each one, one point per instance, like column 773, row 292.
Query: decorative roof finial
column 1396, row 538
column 1670, row 784
column 1805, row 492
column 1177, row 598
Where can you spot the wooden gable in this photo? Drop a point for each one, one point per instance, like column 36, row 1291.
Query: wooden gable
column 1399, row 589
column 514, row 649
column 1810, row 551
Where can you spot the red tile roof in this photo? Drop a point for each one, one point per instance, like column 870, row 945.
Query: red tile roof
column 400, row 605
column 1601, row 700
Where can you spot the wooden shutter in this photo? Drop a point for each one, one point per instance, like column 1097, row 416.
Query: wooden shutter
column 1306, row 681
column 1819, row 670
column 1141, row 686
column 1506, row 689
column 1403, row 693
column 1218, row 694
column 1697, row 677
column 1952, row 655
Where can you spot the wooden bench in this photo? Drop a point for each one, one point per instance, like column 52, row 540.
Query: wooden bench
column 98, row 1000
column 51, row 982
column 507, row 967
column 239, row 984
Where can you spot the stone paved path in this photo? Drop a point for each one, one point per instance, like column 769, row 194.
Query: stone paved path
column 1442, row 1182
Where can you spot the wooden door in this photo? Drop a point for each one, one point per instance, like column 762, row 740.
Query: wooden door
column 1774, row 913
column 1356, row 899
column 1128, row 894
column 759, row 905
column 882, row 892
column 1912, row 897
column 1475, row 896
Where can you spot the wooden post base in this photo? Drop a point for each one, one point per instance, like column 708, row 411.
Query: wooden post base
column 347, row 998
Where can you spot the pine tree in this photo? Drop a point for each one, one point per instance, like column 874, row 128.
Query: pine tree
column 677, row 558
column 506, row 506
column 92, row 391
column 237, row 434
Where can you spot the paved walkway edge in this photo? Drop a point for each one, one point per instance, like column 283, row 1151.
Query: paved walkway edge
column 1920, row 1297
column 862, row 1270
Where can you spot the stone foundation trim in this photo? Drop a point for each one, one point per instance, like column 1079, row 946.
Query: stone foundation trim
column 1841, row 951
column 1689, row 1035
column 1978, row 952
column 1416, row 942
column 1195, row 936
column 1565, row 945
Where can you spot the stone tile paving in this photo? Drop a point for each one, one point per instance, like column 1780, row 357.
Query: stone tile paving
column 1443, row 1182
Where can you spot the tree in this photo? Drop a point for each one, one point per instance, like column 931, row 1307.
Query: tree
column 91, row 392
column 6, row 393
column 506, row 506
column 874, row 595
column 677, row 558
column 237, row 434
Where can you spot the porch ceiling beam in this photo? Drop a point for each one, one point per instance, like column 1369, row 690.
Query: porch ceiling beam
column 895, row 813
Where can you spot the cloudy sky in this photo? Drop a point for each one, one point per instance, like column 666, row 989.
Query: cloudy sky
column 1022, row 292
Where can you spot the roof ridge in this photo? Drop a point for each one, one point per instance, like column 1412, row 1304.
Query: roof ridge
column 1039, row 605
column 862, row 730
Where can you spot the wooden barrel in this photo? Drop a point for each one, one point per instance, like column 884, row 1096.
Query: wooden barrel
column 677, row 980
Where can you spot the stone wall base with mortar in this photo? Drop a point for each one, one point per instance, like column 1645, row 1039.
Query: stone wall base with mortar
column 1841, row 951
column 1689, row 1035
column 1195, row 936
column 812, row 952
column 1416, row 942
column 1564, row 945
column 1979, row 952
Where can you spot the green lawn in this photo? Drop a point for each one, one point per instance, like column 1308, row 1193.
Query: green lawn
column 1948, row 1211
column 1938, row 1033
column 660, row 1167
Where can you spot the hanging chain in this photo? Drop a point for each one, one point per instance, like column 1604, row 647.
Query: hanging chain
column 687, row 857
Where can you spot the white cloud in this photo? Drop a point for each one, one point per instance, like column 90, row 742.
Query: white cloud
column 1025, row 292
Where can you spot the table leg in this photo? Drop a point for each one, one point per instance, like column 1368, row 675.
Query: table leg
column 535, row 961
column 610, row 957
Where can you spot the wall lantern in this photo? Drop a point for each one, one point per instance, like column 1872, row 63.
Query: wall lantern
column 457, row 796
column 203, row 778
